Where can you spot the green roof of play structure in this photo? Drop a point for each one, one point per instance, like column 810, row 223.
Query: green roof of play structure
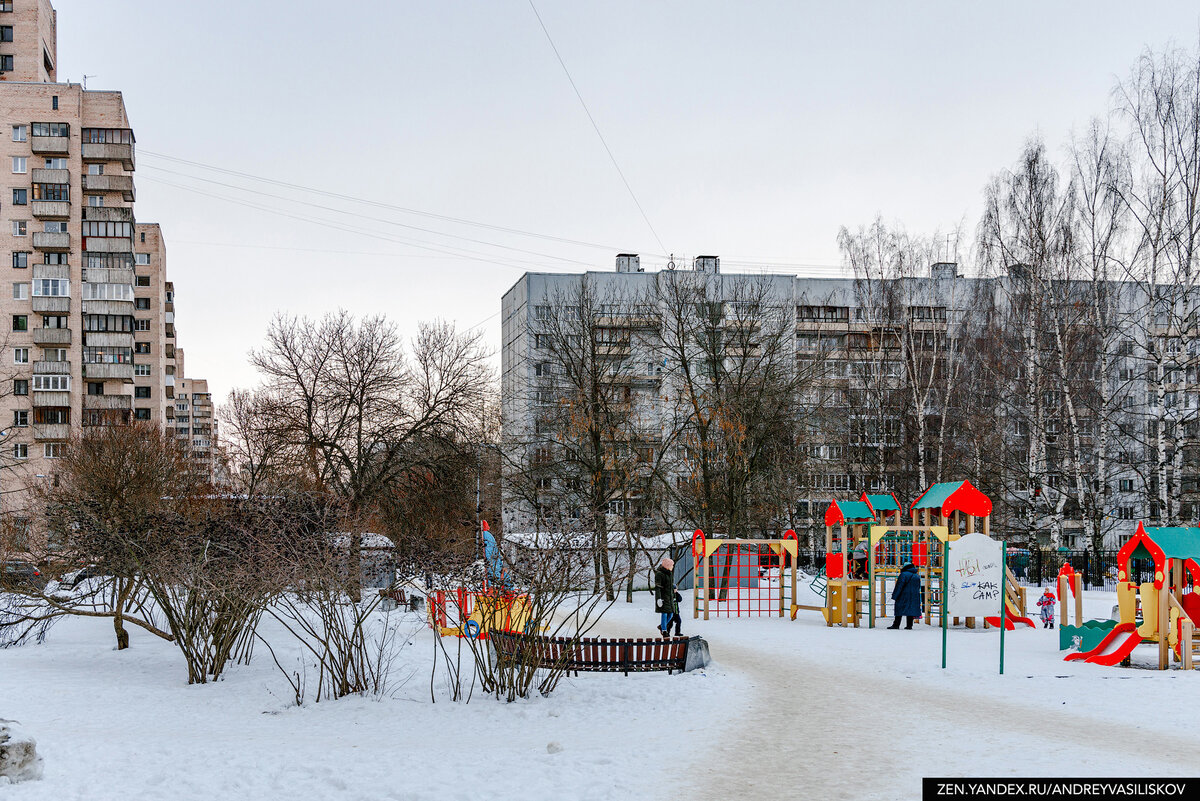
column 883, row 503
column 1177, row 542
column 850, row 512
column 955, row 496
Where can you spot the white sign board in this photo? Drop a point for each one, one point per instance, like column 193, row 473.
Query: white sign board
column 974, row 576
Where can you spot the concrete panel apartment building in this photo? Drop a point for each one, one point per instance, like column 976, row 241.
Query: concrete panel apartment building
column 855, row 404
column 90, row 334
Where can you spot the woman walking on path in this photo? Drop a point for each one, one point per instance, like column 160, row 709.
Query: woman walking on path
column 665, row 602
column 907, row 596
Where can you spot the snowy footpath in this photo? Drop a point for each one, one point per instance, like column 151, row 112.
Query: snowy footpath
column 788, row 709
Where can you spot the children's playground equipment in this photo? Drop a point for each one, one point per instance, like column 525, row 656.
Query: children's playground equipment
column 741, row 577
column 473, row 613
column 874, row 524
column 1169, row 605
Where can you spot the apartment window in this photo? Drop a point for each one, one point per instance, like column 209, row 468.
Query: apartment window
column 54, row 226
column 51, row 129
column 21, row 418
column 142, row 280
column 141, row 392
column 51, row 383
column 21, row 291
column 56, row 163
column 95, row 169
column 52, row 450
column 51, row 415
column 55, row 258
column 143, row 236
column 108, row 322
column 51, row 191
column 55, row 321
column 141, row 325
column 51, row 288
column 108, row 261
column 19, row 164
column 20, row 451
column 21, row 355
column 20, row 227
column 6, row 63
column 20, row 259
column 54, row 354
column 141, row 347
column 108, row 136
column 95, row 201
column 6, row 5
column 107, row 355
column 107, row 292
column 20, row 386
column 20, row 197
column 141, row 258
column 107, row 229
column 20, row 133
column 141, row 303
column 141, row 369
column 6, row 33
column 95, row 388
column 20, row 322
column 54, row 103
column 141, row 414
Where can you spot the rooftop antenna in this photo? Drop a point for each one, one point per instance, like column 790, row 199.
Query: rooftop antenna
column 85, row 77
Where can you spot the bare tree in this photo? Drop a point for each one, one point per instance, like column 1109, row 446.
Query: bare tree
column 357, row 412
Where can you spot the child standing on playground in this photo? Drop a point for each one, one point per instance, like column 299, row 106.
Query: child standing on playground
column 1046, row 605
column 665, row 597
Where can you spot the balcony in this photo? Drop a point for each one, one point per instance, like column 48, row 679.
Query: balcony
column 108, row 402
column 61, row 272
column 51, row 398
column 47, row 240
column 110, row 183
column 41, row 175
column 108, row 213
column 103, row 151
column 108, row 339
column 52, row 336
column 120, row 372
column 51, row 305
column 50, row 209
column 51, row 430
column 50, row 145
column 108, row 307
column 106, row 244
column 109, row 275
column 52, row 368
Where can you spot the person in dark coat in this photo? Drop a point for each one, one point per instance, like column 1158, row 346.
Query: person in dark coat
column 907, row 596
column 665, row 602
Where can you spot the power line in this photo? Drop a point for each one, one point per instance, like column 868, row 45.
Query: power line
column 379, row 203
column 596, row 127
column 358, row 216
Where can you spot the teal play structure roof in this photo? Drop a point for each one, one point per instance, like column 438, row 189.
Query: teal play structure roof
column 848, row 512
column 1177, row 542
column 882, row 503
column 955, row 496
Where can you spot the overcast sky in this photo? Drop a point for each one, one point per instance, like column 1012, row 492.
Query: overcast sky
column 752, row 131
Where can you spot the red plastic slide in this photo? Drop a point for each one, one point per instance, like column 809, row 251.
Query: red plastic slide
column 1009, row 619
column 1113, row 648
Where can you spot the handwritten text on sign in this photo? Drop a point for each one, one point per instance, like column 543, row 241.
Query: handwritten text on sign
column 975, row 568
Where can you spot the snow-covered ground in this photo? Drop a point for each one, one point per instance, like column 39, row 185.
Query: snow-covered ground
column 787, row 709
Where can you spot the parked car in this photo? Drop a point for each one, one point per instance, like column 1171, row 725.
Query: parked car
column 17, row 575
column 73, row 578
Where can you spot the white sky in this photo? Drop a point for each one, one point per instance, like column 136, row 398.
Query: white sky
column 752, row 131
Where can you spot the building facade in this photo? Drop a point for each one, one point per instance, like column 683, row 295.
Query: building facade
column 899, row 382
column 89, row 314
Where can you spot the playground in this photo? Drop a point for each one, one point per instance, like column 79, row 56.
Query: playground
column 808, row 692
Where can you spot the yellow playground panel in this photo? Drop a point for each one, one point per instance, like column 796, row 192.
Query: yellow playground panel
column 477, row 613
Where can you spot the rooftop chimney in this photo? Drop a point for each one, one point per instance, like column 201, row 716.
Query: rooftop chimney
column 629, row 263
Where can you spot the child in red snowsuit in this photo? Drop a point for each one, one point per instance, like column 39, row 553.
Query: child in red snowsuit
column 1046, row 605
